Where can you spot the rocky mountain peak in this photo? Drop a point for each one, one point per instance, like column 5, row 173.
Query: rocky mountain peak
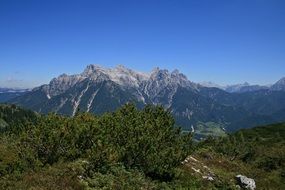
column 279, row 85
column 164, row 74
column 91, row 70
column 153, row 83
column 155, row 70
column 158, row 74
column 122, row 68
column 120, row 75
column 175, row 72
column 179, row 75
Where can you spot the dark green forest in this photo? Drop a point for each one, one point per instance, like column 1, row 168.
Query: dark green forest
column 130, row 149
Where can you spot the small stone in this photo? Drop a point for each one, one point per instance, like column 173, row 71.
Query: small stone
column 209, row 178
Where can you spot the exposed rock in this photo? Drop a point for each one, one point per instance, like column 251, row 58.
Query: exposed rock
column 194, row 159
column 246, row 182
column 196, row 170
column 209, row 178
column 199, row 168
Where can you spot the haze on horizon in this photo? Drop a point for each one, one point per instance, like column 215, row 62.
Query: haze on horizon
column 225, row 42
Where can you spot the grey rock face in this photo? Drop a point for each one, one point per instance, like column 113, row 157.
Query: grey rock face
column 152, row 86
column 61, row 84
column 246, row 182
column 83, row 90
column 162, row 85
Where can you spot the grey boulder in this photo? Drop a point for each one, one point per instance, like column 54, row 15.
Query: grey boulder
column 246, row 182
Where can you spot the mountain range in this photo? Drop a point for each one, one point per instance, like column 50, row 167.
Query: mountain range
column 98, row 90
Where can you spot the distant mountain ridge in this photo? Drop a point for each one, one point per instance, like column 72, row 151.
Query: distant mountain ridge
column 98, row 90
column 246, row 87
column 11, row 90
column 7, row 94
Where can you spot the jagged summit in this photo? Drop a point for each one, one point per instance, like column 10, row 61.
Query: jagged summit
column 155, row 70
column 121, row 75
column 144, row 86
column 119, row 84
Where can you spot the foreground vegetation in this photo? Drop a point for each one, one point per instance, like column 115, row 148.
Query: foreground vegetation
column 130, row 149
column 258, row 153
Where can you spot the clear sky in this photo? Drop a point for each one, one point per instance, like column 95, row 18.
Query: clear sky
column 223, row 41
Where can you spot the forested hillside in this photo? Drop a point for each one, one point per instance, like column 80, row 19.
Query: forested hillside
column 13, row 118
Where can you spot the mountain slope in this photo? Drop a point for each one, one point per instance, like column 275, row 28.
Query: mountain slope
column 189, row 108
column 100, row 90
column 279, row 85
column 263, row 102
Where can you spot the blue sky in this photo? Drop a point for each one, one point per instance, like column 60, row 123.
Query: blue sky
column 223, row 41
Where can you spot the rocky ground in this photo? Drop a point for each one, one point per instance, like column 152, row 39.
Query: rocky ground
column 213, row 170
